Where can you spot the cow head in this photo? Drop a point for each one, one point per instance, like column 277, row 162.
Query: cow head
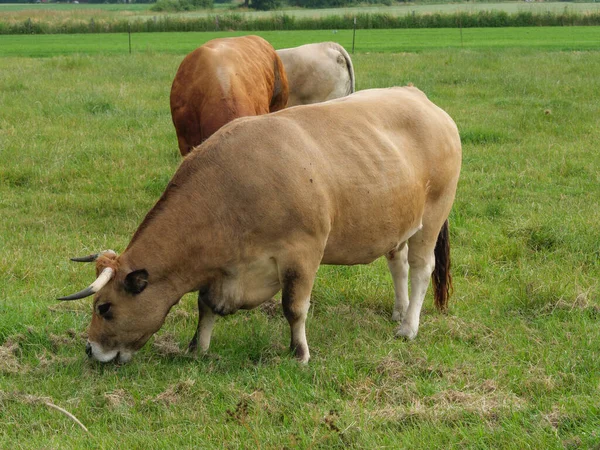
column 128, row 307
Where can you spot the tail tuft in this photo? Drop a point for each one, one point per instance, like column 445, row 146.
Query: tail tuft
column 442, row 280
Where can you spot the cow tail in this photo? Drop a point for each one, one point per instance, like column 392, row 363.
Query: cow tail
column 349, row 66
column 279, row 99
column 441, row 278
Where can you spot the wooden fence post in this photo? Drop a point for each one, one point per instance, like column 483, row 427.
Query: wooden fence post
column 354, row 35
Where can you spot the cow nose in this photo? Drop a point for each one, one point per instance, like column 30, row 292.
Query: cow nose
column 88, row 350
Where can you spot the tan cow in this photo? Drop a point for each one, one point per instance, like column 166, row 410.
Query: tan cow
column 222, row 80
column 317, row 72
column 262, row 203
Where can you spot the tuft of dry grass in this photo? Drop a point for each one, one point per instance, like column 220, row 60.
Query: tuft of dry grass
column 176, row 392
column 118, row 398
column 271, row 308
column 47, row 360
column 450, row 405
column 9, row 362
column 166, row 344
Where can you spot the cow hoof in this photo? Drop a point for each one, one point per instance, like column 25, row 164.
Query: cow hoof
column 406, row 332
column 302, row 354
column 193, row 346
column 303, row 361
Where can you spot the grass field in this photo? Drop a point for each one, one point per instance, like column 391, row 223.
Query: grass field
column 388, row 41
column 86, row 148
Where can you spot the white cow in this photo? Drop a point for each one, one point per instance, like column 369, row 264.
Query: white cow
column 317, row 72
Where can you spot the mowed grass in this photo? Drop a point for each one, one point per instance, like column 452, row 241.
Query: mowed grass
column 379, row 41
column 86, row 148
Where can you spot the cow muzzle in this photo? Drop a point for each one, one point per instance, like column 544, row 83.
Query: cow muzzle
column 95, row 351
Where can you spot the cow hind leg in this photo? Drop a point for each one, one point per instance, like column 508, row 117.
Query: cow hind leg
column 295, row 298
column 206, row 323
column 397, row 261
column 421, row 261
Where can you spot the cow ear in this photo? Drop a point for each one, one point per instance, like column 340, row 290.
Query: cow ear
column 136, row 281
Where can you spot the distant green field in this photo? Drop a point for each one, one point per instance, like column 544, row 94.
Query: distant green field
column 389, row 41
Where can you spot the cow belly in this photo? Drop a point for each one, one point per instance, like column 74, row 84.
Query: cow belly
column 365, row 246
column 372, row 227
column 245, row 286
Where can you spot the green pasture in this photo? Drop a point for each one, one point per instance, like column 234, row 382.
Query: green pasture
column 86, row 148
column 380, row 41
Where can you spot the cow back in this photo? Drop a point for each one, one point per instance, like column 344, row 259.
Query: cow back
column 357, row 171
column 222, row 80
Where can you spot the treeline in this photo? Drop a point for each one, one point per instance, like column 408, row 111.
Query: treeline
column 241, row 22
column 80, row 1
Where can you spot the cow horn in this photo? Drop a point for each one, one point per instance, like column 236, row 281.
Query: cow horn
column 100, row 282
column 93, row 257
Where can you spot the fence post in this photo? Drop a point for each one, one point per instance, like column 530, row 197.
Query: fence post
column 129, row 32
column 216, row 23
column 353, row 35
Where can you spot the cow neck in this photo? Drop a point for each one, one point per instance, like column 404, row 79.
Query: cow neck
column 179, row 238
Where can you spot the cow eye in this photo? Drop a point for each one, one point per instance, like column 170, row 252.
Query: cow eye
column 103, row 309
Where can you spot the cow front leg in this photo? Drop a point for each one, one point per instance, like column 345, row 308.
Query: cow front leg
column 206, row 323
column 397, row 261
column 295, row 298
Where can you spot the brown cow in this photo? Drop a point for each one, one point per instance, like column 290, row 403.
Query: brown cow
column 266, row 200
column 317, row 72
column 222, row 80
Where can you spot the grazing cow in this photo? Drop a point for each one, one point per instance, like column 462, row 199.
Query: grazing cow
column 222, row 80
column 266, row 200
column 317, row 72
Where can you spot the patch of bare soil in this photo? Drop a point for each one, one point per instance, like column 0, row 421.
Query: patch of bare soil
column 246, row 404
column 330, row 421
